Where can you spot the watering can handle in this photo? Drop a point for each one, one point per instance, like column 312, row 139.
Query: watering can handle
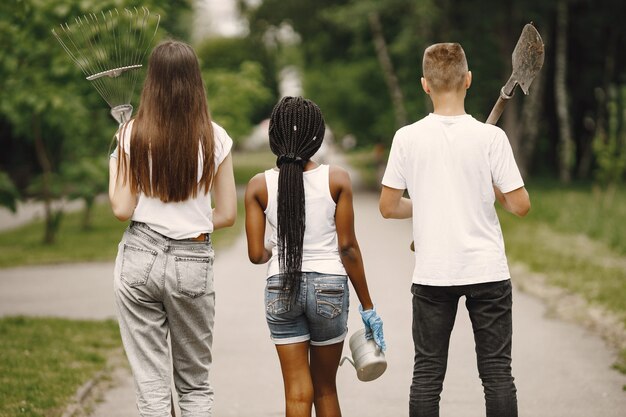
column 349, row 360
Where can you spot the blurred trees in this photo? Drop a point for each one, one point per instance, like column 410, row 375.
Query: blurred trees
column 345, row 71
column 50, row 117
column 240, row 78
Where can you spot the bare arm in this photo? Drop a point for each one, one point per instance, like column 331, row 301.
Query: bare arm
column 349, row 251
column 516, row 201
column 225, row 194
column 393, row 206
column 256, row 201
column 123, row 201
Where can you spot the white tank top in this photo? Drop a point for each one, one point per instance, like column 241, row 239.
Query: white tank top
column 320, row 252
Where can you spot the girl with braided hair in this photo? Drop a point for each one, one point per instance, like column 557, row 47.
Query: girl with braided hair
column 312, row 252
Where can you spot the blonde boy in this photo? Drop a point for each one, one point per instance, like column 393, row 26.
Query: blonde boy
column 454, row 168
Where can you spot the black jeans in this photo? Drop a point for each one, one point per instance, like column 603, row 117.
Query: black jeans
column 434, row 311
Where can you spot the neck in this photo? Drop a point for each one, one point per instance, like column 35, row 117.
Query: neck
column 450, row 103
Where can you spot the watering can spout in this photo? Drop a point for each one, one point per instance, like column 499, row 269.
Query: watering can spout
column 366, row 357
column 345, row 358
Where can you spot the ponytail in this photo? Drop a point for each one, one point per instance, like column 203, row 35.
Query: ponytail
column 296, row 132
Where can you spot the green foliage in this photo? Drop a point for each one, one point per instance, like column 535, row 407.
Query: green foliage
column 44, row 361
column 577, row 242
column 609, row 143
column 47, row 106
column 240, row 77
column 235, row 96
column 344, row 91
column 8, row 192
column 85, row 180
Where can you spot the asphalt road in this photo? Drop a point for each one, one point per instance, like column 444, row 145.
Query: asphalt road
column 561, row 369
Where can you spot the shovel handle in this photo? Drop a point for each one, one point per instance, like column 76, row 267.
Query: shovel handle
column 498, row 108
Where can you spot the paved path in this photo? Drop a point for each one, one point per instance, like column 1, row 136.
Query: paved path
column 561, row 370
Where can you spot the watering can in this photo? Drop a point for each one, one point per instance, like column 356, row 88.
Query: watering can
column 367, row 358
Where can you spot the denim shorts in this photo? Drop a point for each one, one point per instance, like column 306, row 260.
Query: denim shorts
column 319, row 313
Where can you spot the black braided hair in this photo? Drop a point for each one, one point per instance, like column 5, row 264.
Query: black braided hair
column 296, row 132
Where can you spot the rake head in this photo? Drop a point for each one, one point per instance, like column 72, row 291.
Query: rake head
column 110, row 48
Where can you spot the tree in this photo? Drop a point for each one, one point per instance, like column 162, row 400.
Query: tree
column 234, row 97
column 8, row 192
column 85, row 180
column 567, row 151
column 46, row 103
column 609, row 142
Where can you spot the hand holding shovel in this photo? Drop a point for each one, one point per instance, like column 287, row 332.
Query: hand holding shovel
column 527, row 58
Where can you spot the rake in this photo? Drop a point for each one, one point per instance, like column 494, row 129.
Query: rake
column 109, row 48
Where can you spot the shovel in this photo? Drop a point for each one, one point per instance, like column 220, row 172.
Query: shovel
column 527, row 61
column 528, row 58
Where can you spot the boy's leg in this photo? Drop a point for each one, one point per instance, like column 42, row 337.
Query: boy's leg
column 434, row 311
column 489, row 307
column 324, row 364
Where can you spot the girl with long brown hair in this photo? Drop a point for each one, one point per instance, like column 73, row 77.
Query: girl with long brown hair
column 171, row 161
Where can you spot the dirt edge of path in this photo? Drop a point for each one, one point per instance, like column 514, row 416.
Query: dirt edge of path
column 565, row 305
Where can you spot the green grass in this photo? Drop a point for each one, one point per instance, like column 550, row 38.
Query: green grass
column 581, row 209
column 44, row 361
column 577, row 240
column 23, row 246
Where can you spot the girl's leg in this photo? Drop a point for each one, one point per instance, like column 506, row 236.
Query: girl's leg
column 294, row 363
column 324, row 364
column 190, row 305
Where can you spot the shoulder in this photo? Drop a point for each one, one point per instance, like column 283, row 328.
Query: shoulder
column 415, row 129
column 256, row 185
column 488, row 129
column 257, row 180
column 338, row 174
column 339, row 180
column 223, row 142
column 411, row 128
column 494, row 133
column 220, row 134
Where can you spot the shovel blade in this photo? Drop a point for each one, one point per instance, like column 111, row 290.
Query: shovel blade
column 528, row 57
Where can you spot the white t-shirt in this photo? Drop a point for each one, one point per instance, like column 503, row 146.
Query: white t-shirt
column 320, row 251
column 448, row 165
column 185, row 219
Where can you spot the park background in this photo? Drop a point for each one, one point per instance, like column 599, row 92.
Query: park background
column 360, row 61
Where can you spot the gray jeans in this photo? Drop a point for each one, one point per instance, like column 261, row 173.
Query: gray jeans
column 166, row 286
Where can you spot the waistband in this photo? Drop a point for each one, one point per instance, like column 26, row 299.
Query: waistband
column 202, row 237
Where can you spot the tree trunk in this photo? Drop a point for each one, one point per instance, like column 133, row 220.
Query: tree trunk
column 51, row 219
column 566, row 142
column 531, row 112
column 87, row 214
column 382, row 52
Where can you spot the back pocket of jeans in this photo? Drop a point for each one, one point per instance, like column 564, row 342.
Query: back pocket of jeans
column 193, row 275
column 276, row 300
column 136, row 265
column 329, row 299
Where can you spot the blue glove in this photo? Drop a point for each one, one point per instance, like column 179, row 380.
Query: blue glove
column 373, row 327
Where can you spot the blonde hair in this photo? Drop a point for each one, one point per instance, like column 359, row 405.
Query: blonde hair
column 444, row 67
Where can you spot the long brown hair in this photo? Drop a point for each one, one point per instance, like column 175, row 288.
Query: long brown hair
column 171, row 129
